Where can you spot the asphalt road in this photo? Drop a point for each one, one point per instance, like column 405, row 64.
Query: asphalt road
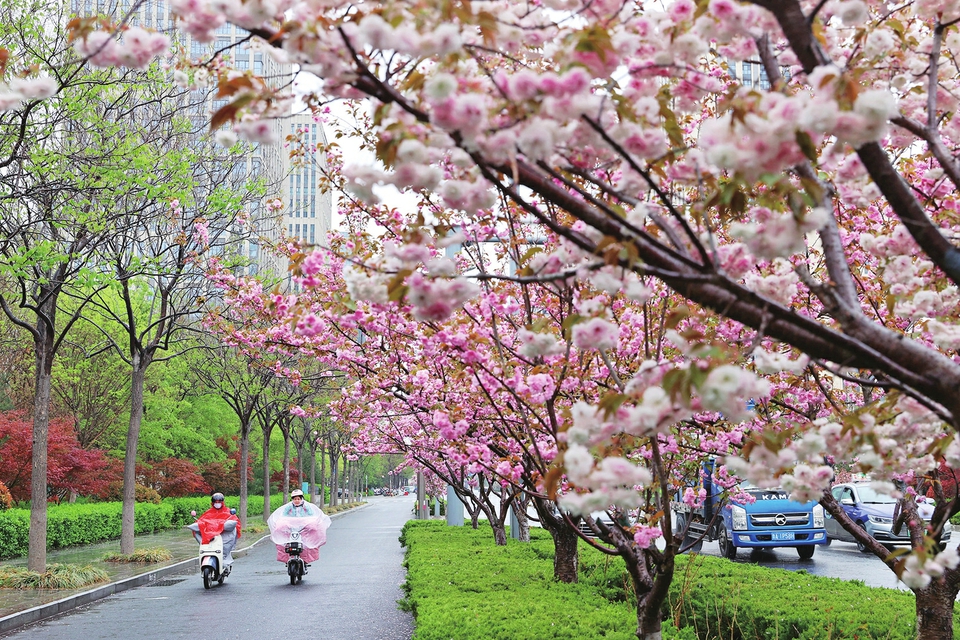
column 836, row 560
column 349, row 594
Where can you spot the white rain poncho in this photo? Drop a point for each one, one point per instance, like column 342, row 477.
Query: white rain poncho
column 306, row 523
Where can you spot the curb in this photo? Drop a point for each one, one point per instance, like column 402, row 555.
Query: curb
column 43, row 611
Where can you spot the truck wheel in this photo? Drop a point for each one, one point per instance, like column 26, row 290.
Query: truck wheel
column 806, row 552
column 727, row 550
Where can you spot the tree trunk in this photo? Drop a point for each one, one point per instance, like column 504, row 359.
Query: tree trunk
column 651, row 585
column 313, row 475
column 286, row 464
column 520, row 503
column 348, row 486
column 37, row 541
column 566, row 557
column 935, row 610
column 265, row 449
column 649, row 624
column 128, row 511
column 244, row 464
column 334, row 478
column 300, row 463
column 323, row 473
column 523, row 523
column 499, row 533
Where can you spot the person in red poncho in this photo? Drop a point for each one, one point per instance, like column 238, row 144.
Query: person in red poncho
column 211, row 522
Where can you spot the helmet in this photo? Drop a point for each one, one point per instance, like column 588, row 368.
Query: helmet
column 296, row 493
column 217, row 497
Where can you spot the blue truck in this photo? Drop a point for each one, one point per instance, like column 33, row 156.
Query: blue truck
column 771, row 520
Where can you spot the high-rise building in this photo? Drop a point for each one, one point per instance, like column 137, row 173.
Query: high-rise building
column 308, row 208
column 307, row 211
column 751, row 73
column 306, row 214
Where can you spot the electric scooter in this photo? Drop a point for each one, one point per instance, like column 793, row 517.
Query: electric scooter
column 296, row 567
column 298, row 539
column 213, row 566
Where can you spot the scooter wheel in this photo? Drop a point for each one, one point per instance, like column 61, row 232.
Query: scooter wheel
column 207, row 573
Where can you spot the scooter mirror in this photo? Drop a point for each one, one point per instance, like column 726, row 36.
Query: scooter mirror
column 233, row 512
column 193, row 513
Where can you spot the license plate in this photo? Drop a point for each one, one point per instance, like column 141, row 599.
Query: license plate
column 783, row 535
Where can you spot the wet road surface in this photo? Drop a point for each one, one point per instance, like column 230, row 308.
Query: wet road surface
column 349, row 594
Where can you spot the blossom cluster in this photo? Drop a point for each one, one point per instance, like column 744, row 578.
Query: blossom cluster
column 919, row 572
column 135, row 49
column 21, row 89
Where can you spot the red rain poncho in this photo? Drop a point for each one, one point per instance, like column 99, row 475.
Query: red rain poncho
column 211, row 523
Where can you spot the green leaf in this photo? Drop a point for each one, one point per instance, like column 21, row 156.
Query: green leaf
column 611, row 402
column 569, row 322
column 806, row 145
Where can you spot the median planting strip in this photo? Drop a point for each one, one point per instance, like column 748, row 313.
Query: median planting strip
column 461, row 585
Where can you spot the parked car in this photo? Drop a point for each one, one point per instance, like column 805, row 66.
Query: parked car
column 874, row 512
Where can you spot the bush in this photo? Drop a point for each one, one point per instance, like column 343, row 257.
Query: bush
column 73, row 524
column 452, row 570
column 142, row 493
column 14, row 532
column 718, row 598
column 140, row 556
column 6, row 500
column 57, row 576
column 508, row 591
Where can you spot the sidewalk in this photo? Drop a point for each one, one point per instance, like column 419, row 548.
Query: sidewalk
column 22, row 607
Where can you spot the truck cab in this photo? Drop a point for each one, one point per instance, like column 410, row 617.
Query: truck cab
column 752, row 518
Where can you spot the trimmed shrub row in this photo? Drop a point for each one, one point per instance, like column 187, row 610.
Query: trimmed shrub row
column 461, row 585
column 73, row 524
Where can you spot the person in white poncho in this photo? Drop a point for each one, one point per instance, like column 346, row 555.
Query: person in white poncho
column 301, row 520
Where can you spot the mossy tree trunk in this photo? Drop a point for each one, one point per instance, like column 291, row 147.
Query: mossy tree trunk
column 935, row 607
column 566, row 556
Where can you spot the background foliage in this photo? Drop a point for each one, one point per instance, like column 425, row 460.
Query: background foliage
column 73, row 524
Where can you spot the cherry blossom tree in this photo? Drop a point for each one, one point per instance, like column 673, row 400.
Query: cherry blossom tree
column 816, row 210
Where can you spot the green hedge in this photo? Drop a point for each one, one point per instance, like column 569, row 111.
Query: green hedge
column 461, row 585
column 73, row 524
column 719, row 598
